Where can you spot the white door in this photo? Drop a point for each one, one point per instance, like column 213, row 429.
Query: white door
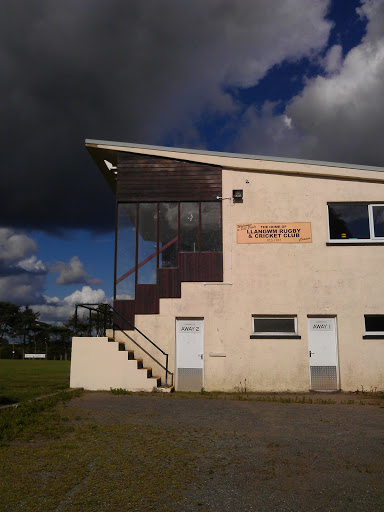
column 189, row 355
column 323, row 359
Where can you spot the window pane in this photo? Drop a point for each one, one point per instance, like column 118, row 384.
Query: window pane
column 378, row 220
column 168, row 231
column 348, row 221
column 189, row 227
column 147, row 274
column 211, row 227
column 374, row 323
column 274, row 325
column 126, row 251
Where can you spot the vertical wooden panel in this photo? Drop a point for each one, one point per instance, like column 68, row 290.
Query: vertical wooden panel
column 189, row 266
column 211, row 266
column 150, row 178
column 147, row 299
column 169, row 283
column 126, row 308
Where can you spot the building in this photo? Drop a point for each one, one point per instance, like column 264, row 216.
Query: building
column 250, row 272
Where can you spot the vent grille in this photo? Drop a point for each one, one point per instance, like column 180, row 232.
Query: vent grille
column 324, row 378
column 189, row 379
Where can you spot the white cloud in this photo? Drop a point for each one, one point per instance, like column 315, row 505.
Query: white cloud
column 59, row 310
column 86, row 295
column 24, row 288
column 22, row 275
column 15, row 246
column 333, row 59
column 337, row 117
column 32, row 264
column 72, row 272
column 23, row 279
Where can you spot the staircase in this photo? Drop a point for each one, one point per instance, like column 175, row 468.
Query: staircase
column 101, row 363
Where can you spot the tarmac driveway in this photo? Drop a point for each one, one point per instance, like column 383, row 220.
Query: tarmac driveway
column 246, row 455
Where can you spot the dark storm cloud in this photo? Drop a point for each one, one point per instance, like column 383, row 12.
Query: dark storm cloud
column 128, row 71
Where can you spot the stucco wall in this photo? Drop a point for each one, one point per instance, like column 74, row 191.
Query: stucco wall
column 97, row 364
column 300, row 279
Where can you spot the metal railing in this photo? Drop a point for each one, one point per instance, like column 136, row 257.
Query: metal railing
column 105, row 319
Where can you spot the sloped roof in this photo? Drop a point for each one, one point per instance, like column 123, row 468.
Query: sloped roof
column 105, row 155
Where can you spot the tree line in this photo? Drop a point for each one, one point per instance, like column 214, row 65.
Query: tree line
column 22, row 332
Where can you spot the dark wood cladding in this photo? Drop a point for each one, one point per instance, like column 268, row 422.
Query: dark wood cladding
column 126, row 308
column 211, row 266
column 169, row 283
column 189, row 266
column 149, row 178
column 147, row 299
column 199, row 267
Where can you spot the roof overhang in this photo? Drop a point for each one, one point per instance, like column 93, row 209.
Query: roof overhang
column 105, row 155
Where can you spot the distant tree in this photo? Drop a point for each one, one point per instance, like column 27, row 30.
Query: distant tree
column 60, row 342
column 27, row 324
column 90, row 324
column 9, row 315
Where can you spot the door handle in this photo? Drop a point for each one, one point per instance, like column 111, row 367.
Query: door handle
column 310, row 353
column 201, row 356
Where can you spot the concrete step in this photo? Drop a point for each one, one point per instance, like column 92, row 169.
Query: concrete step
column 153, row 381
column 163, row 389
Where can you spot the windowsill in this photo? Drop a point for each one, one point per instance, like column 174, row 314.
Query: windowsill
column 357, row 242
column 274, row 337
column 373, row 337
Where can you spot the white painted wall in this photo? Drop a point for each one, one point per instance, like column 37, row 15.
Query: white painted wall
column 301, row 279
column 97, row 364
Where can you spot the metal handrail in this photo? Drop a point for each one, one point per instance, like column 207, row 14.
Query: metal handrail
column 108, row 311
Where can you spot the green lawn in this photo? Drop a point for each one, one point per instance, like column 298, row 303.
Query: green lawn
column 22, row 380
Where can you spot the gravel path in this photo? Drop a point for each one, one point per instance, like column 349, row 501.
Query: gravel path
column 247, row 455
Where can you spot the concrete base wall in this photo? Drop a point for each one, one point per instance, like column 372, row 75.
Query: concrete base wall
column 97, row 364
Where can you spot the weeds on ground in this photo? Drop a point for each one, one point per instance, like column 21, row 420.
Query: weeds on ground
column 102, row 466
column 120, row 391
column 35, row 417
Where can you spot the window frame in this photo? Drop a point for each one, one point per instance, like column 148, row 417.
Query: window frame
column 198, row 252
column 372, row 240
column 372, row 222
column 274, row 334
column 372, row 335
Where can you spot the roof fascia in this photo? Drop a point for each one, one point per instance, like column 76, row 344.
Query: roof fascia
column 250, row 163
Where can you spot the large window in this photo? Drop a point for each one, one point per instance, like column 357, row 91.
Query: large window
column 151, row 235
column 353, row 222
column 200, row 227
column 189, row 227
column 274, row 326
column 210, row 227
column 168, row 234
column 126, row 250
column 147, row 240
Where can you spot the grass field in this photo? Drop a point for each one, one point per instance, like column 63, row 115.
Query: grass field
column 21, row 380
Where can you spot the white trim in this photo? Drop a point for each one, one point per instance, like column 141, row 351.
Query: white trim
column 358, row 241
column 372, row 222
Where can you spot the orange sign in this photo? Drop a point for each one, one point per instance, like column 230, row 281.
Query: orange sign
column 281, row 233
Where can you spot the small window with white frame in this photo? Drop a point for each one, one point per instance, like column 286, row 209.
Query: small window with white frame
column 374, row 325
column 274, row 326
column 356, row 222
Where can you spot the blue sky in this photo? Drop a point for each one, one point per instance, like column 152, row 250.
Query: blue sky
column 293, row 78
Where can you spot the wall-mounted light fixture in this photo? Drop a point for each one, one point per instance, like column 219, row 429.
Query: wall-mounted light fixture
column 237, row 196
